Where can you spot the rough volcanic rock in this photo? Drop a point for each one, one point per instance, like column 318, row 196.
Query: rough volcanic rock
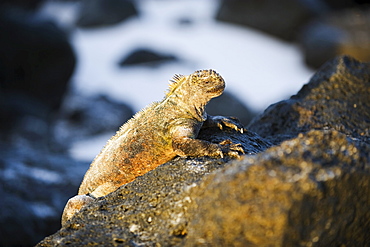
column 336, row 97
column 345, row 32
column 313, row 190
column 310, row 190
column 150, row 210
column 146, row 57
column 153, row 208
column 97, row 13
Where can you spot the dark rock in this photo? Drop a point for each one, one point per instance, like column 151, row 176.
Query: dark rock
column 344, row 32
column 150, row 210
column 85, row 116
column 153, row 208
column 228, row 105
column 311, row 190
column 35, row 185
column 251, row 142
column 16, row 109
column 97, row 13
column 337, row 97
column 343, row 4
column 185, row 21
column 320, row 42
column 35, row 67
column 299, row 192
column 283, row 19
column 38, row 59
column 24, row 4
column 146, row 57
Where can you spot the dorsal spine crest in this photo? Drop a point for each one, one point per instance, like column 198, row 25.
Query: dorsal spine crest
column 176, row 80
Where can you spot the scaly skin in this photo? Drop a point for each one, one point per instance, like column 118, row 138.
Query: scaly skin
column 156, row 135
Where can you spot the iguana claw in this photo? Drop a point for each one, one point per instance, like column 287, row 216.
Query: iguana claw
column 231, row 149
column 228, row 122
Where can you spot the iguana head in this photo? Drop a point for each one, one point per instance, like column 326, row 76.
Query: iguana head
column 208, row 82
column 191, row 93
column 202, row 85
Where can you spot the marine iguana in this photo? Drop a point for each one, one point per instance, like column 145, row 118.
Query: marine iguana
column 157, row 134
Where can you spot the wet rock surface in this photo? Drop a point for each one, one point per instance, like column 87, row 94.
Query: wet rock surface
column 35, row 185
column 37, row 174
column 311, row 188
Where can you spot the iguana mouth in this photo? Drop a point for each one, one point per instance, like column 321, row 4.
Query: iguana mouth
column 216, row 90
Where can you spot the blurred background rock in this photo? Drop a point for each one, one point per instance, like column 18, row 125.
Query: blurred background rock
column 323, row 28
column 50, row 111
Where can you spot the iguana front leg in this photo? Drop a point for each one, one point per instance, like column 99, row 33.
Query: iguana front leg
column 223, row 122
column 185, row 144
